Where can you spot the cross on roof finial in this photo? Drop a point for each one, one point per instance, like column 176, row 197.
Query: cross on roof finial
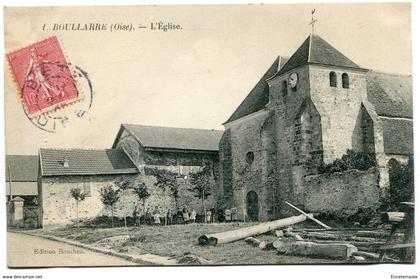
column 312, row 21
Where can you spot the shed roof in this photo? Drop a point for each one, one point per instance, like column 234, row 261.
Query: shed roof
column 56, row 162
column 22, row 167
column 173, row 138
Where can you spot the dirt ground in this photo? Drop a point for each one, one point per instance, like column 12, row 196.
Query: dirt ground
column 176, row 240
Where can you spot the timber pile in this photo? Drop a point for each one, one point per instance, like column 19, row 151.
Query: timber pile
column 355, row 244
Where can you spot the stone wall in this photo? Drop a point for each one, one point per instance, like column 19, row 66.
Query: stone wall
column 181, row 163
column 59, row 208
column 339, row 107
column 288, row 104
column 341, row 193
column 225, row 157
column 248, row 162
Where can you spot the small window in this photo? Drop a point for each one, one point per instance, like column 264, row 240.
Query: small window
column 249, row 157
column 333, row 79
column 284, row 88
column 345, row 80
column 86, row 187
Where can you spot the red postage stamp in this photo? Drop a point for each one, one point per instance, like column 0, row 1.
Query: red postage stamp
column 43, row 76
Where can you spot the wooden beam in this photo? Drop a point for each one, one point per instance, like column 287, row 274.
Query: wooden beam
column 230, row 236
column 312, row 249
column 307, row 215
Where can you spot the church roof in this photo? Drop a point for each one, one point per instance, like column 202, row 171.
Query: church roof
column 258, row 97
column 57, row 162
column 398, row 136
column 391, row 94
column 173, row 138
column 316, row 50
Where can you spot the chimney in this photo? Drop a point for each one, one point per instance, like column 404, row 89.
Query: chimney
column 65, row 162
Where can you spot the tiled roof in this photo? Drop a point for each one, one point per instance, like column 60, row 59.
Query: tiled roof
column 313, row 50
column 85, row 162
column 175, row 138
column 398, row 136
column 258, row 97
column 22, row 167
column 316, row 50
column 391, row 94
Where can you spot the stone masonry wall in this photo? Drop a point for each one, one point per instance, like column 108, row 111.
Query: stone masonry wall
column 181, row 164
column 246, row 173
column 59, row 208
column 341, row 193
column 339, row 108
column 287, row 104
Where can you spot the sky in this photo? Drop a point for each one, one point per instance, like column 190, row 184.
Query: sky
column 194, row 77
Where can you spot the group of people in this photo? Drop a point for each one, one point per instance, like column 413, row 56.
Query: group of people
column 183, row 216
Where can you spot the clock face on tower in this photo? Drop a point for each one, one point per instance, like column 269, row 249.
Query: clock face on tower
column 293, row 80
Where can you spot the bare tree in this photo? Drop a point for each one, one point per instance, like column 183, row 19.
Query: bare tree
column 78, row 195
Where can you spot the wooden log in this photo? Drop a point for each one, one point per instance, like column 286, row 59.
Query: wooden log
column 297, row 237
column 393, row 217
column 312, row 249
column 263, row 245
column 359, row 258
column 230, row 236
column 308, row 215
column 322, row 236
column 253, row 241
column 374, row 234
column 361, row 246
column 362, row 239
column 367, row 255
column 279, row 233
column 398, row 246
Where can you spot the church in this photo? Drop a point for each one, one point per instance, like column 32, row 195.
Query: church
column 306, row 111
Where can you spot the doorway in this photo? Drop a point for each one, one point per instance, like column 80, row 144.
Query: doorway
column 252, row 206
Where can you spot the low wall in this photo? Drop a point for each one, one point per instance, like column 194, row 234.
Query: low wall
column 343, row 192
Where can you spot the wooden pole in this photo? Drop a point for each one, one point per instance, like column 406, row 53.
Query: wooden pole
column 10, row 183
column 308, row 215
column 243, row 203
column 230, row 236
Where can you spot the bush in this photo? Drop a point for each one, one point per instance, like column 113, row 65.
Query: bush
column 352, row 160
column 401, row 184
column 363, row 216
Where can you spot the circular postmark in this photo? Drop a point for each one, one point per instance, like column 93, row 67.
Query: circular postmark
column 53, row 121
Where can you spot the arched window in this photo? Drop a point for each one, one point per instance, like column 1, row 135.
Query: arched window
column 345, row 80
column 333, row 79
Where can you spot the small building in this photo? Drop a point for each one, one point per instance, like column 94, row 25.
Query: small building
column 179, row 151
column 22, row 177
column 140, row 154
column 87, row 169
column 21, row 184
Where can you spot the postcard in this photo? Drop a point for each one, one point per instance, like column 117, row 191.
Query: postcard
column 209, row 135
